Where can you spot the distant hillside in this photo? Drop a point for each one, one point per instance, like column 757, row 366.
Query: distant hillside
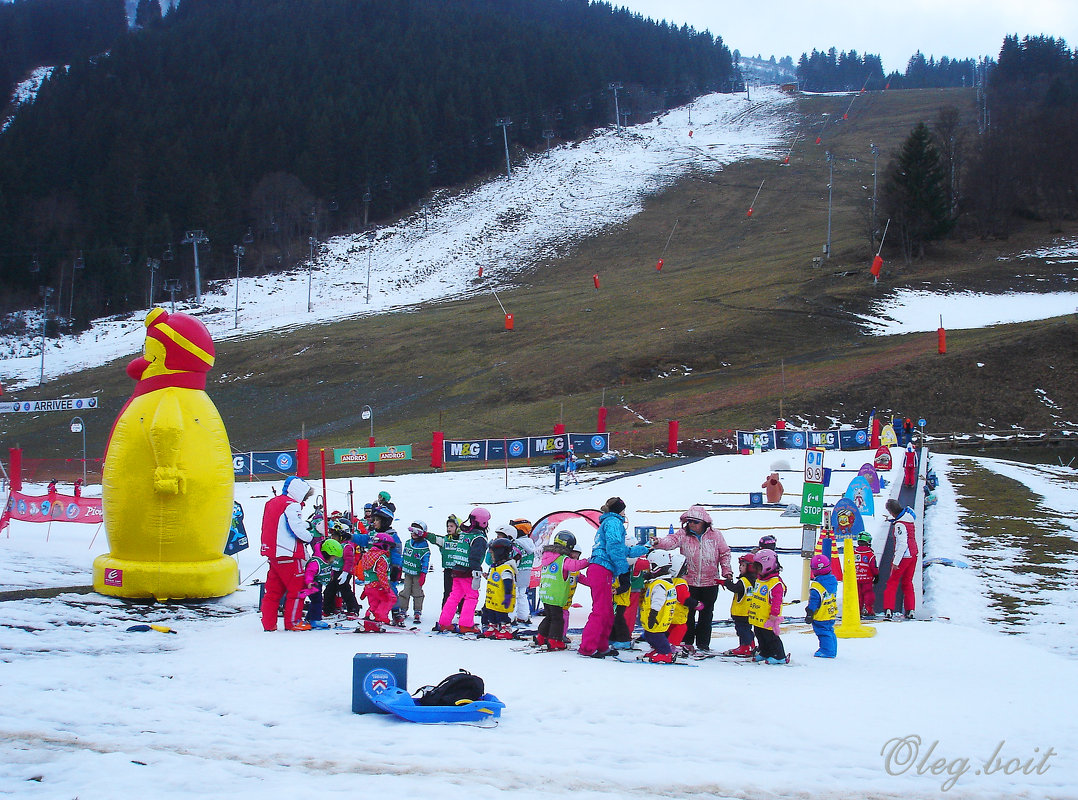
column 274, row 120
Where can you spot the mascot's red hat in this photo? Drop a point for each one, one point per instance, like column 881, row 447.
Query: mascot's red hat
column 188, row 346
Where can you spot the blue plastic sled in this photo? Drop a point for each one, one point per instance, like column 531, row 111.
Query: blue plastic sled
column 398, row 701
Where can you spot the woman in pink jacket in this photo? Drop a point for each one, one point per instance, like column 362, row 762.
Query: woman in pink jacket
column 708, row 559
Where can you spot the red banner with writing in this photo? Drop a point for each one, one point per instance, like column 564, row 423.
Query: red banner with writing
column 52, row 507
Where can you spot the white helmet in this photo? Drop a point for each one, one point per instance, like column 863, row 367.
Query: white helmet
column 506, row 530
column 677, row 562
column 659, row 560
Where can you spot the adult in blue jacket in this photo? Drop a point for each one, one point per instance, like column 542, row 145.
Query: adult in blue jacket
column 609, row 561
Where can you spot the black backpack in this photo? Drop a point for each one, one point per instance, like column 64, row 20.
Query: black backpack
column 459, row 686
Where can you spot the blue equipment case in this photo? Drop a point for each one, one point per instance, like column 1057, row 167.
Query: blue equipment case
column 374, row 674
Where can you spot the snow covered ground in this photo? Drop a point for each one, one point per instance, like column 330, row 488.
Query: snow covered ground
column 223, row 709
column 504, row 226
column 916, row 310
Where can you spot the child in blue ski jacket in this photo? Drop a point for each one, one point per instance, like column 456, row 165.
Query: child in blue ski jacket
column 823, row 606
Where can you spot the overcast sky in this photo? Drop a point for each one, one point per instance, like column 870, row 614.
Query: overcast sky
column 952, row 28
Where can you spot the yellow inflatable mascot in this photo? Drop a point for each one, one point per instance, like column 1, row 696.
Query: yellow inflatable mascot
column 168, row 480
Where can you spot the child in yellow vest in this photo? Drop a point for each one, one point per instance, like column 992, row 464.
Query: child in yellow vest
column 765, row 608
column 657, row 606
column 739, row 607
column 501, row 595
column 679, row 623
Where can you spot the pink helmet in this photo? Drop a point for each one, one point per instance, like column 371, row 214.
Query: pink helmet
column 480, row 517
column 698, row 513
column 383, row 540
column 767, row 561
column 820, row 565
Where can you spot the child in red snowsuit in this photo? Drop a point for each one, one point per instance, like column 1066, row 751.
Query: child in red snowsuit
column 378, row 591
column 867, row 574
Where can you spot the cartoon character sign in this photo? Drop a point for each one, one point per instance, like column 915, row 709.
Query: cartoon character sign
column 882, row 461
column 167, row 481
column 860, row 492
column 846, row 519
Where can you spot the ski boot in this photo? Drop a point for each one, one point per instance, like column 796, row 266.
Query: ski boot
column 320, row 625
column 539, row 640
column 909, row 615
column 301, row 626
column 489, row 632
column 554, row 644
column 776, row 661
column 655, row 657
column 622, row 645
column 504, row 632
column 416, row 619
column 372, row 626
column 888, row 615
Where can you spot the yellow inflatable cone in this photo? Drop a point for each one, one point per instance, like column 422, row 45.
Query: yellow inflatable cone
column 851, row 626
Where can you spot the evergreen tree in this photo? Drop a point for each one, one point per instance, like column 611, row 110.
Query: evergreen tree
column 915, row 194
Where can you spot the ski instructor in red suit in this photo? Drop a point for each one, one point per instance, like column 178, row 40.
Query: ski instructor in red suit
column 284, row 537
column 909, row 465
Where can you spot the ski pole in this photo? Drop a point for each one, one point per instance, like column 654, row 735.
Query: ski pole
column 256, row 569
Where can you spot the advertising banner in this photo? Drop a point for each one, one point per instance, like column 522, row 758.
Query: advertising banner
column 372, row 455
column 555, row 445
column 853, row 439
column 65, row 404
column 750, row 440
column 53, row 507
column 272, row 462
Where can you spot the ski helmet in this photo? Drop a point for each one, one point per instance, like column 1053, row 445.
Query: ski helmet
column 696, row 514
column 506, row 530
column 659, row 561
column 677, row 563
column 768, row 562
column 418, row 528
column 383, row 513
column 454, row 519
column 383, row 540
column 368, row 506
column 820, row 565
column 332, row 548
column 565, row 539
column 500, row 550
column 524, row 528
column 746, row 558
column 768, row 542
column 479, row 518
column 383, row 496
column 865, row 537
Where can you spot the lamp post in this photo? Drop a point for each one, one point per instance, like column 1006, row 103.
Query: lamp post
column 75, row 267
column 875, row 156
column 617, row 113
column 310, row 271
column 504, row 124
column 153, row 264
column 46, row 293
column 368, row 413
column 172, row 285
column 78, row 426
column 196, row 238
column 239, row 250
column 830, row 189
column 370, row 247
